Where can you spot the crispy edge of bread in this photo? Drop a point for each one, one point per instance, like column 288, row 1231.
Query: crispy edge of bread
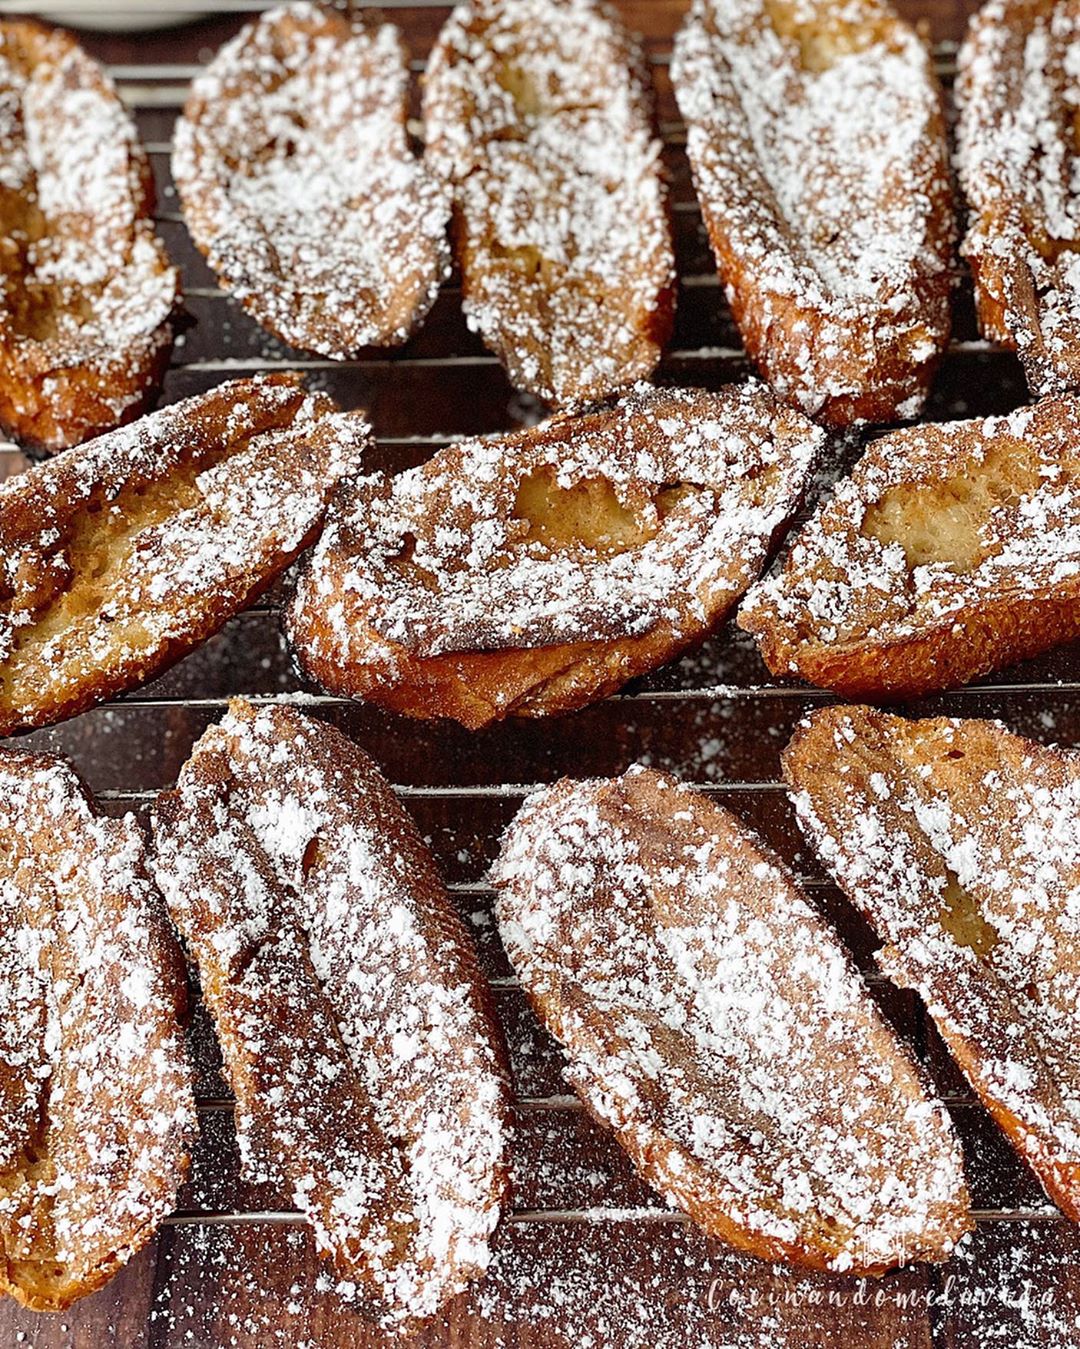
column 777, row 329
column 643, row 334
column 410, row 304
column 664, row 1165
column 46, row 403
column 803, row 760
column 34, row 500
column 173, row 968
column 210, row 767
column 959, row 649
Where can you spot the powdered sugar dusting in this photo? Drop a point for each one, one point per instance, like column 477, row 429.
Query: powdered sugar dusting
column 816, row 139
column 298, row 182
column 367, row 1069
column 97, row 1107
column 1018, row 93
column 960, row 843
column 711, row 1020
column 539, row 120
column 123, row 553
column 87, row 287
column 845, row 588
column 437, row 560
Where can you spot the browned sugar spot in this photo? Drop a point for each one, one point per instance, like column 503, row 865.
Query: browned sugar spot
column 961, row 917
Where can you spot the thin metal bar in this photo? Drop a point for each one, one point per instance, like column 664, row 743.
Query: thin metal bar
column 569, row 1216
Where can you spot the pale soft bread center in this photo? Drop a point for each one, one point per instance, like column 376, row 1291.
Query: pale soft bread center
column 587, row 515
column 945, row 522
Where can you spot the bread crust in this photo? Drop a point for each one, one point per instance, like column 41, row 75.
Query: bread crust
column 539, row 119
column 948, row 553
column 712, row 1020
column 124, row 554
column 357, row 1032
column 1015, row 141
column 96, row 1111
column 298, row 183
column 817, row 142
column 958, row 842
column 86, row 287
column 450, row 591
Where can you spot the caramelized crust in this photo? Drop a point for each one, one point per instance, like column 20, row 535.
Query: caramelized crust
column 714, row 1023
column 951, row 551
column 817, row 142
column 959, row 842
column 96, row 1112
column 539, row 119
column 533, row 573
column 1018, row 145
column 86, row 289
column 122, row 555
column 355, row 1027
column 298, row 182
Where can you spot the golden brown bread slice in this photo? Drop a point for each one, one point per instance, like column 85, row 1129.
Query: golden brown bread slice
column 817, row 142
column 96, row 1111
column 712, row 1020
column 298, row 182
column 952, row 550
column 1017, row 144
column 539, row 119
column 123, row 554
column 356, row 1030
column 961, row 845
column 533, row 573
column 86, row 289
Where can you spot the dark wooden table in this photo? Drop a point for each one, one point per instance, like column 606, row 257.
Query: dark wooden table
column 588, row 1256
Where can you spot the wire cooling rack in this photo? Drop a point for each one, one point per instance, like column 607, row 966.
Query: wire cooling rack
column 588, row 1255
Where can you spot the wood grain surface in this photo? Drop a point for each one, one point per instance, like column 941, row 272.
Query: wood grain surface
column 589, row 1257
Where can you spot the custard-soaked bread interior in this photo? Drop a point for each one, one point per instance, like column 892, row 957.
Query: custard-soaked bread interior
column 535, row 572
column 951, row 551
column 817, row 143
column 86, row 289
column 355, row 1027
column 959, row 843
column 1017, row 144
column 122, row 555
column 96, row 1112
column 298, row 182
column 539, row 119
column 712, row 1020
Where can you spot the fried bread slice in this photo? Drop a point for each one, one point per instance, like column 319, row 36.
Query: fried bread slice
column 539, row 119
column 712, row 1020
column 86, row 288
column 951, row 550
column 960, row 843
column 121, row 555
column 96, row 1111
column 817, row 142
column 297, row 181
column 356, row 1030
column 1017, row 144
column 533, row 573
